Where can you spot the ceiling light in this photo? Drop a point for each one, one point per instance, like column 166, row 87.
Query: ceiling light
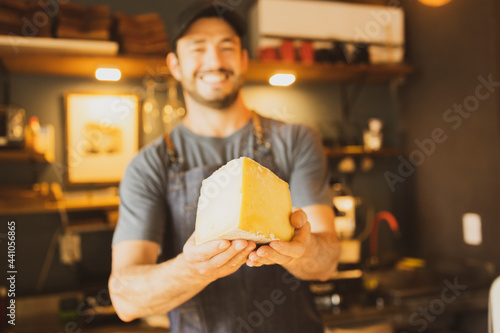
column 108, row 74
column 282, row 80
column 434, row 3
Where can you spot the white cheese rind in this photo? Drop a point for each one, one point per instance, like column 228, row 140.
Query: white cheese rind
column 219, row 202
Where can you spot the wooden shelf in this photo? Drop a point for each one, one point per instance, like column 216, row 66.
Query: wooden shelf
column 324, row 72
column 139, row 67
column 83, row 65
column 21, row 156
column 37, row 207
column 359, row 151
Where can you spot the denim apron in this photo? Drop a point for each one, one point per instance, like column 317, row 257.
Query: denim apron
column 251, row 300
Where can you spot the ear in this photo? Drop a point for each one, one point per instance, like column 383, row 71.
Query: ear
column 173, row 65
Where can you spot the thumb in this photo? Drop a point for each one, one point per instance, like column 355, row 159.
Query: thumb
column 298, row 218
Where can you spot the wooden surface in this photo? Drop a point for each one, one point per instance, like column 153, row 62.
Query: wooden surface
column 262, row 71
column 21, row 156
column 38, row 206
column 359, row 151
column 83, row 66
column 139, row 67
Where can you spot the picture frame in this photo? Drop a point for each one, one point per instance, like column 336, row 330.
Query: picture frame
column 102, row 136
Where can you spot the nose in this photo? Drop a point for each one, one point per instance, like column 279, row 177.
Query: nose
column 212, row 57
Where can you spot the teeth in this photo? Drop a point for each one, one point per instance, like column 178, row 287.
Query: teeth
column 214, row 77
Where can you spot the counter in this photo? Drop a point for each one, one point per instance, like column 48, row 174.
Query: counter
column 422, row 299
column 411, row 300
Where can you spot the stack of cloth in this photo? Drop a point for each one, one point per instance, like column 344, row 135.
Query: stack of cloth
column 25, row 19
column 141, row 34
column 83, row 22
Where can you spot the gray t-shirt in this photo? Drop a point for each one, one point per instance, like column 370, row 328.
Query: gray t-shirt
column 296, row 148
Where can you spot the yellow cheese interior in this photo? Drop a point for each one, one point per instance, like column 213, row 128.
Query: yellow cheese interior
column 265, row 204
column 244, row 200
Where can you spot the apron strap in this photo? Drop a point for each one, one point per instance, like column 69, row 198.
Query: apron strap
column 172, row 152
column 258, row 132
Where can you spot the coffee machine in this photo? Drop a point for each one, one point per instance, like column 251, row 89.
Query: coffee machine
column 345, row 288
column 345, row 226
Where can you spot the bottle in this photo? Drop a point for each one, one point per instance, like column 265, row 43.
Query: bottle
column 32, row 134
column 46, row 142
column 372, row 138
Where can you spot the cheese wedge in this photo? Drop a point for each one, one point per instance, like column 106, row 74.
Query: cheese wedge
column 244, row 200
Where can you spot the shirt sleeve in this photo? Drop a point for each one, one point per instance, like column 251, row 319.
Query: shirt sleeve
column 309, row 177
column 142, row 211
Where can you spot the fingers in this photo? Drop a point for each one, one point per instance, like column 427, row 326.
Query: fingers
column 281, row 253
column 204, row 251
column 298, row 218
column 228, row 261
column 266, row 256
column 218, row 253
column 296, row 247
column 240, row 258
column 234, row 255
column 259, row 262
column 225, row 257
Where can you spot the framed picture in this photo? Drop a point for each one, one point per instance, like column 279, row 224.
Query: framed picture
column 102, row 136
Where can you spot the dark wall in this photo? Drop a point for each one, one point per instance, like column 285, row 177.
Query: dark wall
column 451, row 48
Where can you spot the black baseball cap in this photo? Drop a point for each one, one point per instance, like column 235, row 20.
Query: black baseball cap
column 200, row 9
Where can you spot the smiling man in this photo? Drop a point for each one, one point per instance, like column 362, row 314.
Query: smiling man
column 209, row 63
column 219, row 286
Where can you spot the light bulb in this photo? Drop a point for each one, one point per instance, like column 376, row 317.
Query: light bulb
column 434, row 3
column 282, row 80
column 108, row 74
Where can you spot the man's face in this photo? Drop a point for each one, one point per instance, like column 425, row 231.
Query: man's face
column 210, row 63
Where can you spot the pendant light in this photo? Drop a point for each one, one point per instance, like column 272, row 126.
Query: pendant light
column 435, row 3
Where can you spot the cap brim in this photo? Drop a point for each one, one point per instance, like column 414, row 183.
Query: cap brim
column 207, row 9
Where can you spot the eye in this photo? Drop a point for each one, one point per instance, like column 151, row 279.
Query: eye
column 228, row 47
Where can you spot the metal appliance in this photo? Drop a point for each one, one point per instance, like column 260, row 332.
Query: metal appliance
column 12, row 126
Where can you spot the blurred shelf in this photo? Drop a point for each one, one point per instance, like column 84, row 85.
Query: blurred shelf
column 103, row 203
column 83, row 226
column 21, row 156
column 39, row 207
column 82, row 65
column 142, row 66
column 12, row 44
column 359, row 151
column 260, row 71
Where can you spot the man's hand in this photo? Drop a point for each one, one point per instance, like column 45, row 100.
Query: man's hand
column 313, row 252
column 217, row 258
column 282, row 253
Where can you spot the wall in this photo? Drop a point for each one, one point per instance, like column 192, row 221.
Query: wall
column 451, row 47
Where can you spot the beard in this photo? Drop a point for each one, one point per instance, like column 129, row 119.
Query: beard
column 219, row 101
